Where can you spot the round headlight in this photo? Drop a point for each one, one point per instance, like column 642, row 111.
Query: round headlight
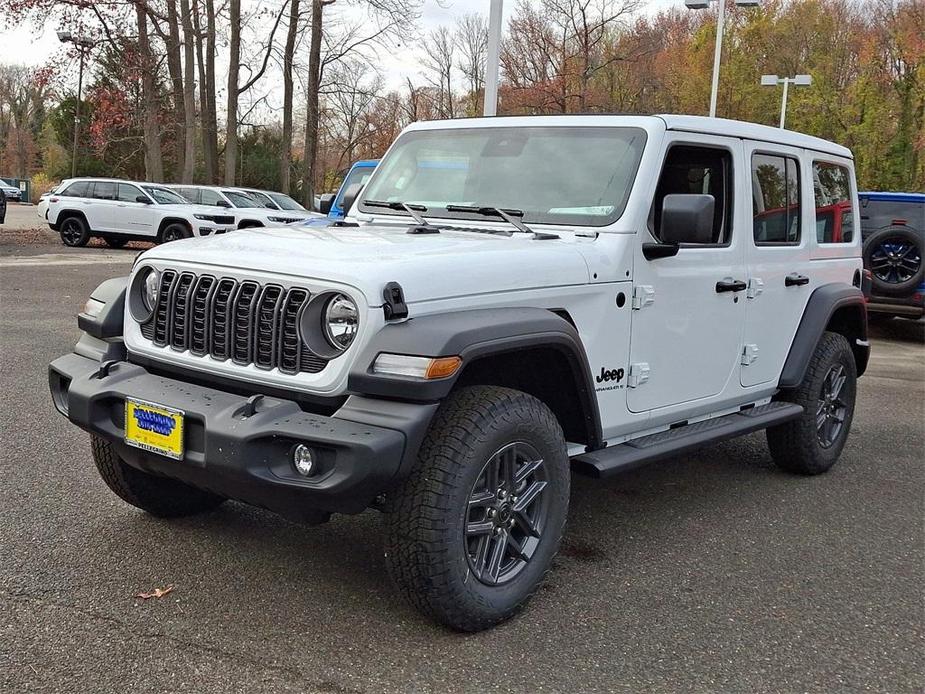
column 341, row 320
column 149, row 289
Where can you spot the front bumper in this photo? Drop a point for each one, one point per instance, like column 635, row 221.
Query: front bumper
column 240, row 447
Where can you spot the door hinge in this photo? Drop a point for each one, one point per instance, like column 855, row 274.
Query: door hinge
column 639, row 374
column 755, row 287
column 749, row 354
column 643, row 295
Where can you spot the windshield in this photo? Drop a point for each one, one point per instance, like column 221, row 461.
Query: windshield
column 285, row 202
column 241, row 199
column 164, row 196
column 556, row 175
column 263, row 199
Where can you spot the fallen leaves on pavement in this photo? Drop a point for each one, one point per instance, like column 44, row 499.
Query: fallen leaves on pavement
column 156, row 593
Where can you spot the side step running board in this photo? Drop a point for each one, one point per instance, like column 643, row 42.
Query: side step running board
column 665, row 444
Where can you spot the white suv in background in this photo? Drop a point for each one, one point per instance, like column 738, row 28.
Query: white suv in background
column 281, row 203
column 121, row 211
column 248, row 209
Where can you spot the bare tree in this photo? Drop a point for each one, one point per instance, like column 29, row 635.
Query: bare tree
column 189, row 94
column 439, row 55
column 175, row 69
column 154, row 164
column 311, row 111
column 234, row 65
column 471, row 39
column 205, row 58
column 285, row 163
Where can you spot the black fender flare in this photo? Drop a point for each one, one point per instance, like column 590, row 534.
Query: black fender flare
column 472, row 335
column 823, row 304
column 167, row 221
column 108, row 323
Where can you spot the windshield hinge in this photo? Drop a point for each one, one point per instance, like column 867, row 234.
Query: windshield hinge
column 643, row 295
column 394, row 306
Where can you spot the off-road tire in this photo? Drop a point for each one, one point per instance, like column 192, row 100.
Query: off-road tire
column 159, row 496
column 115, row 241
column 796, row 446
column 74, row 231
column 425, row 545
column 174, row 232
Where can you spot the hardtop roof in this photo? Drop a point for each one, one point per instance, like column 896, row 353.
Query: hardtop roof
column 724, row 127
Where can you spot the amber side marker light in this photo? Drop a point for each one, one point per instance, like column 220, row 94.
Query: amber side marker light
column 424, row 368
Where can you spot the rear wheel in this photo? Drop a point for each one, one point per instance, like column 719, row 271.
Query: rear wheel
column 159, row 496
column 472, row 531
column 74, row 232
column 812, row 443
column 174, row 232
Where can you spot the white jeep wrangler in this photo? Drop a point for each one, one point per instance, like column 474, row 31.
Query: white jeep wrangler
column 509, row 300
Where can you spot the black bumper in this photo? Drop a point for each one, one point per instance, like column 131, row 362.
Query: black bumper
column 247, row 456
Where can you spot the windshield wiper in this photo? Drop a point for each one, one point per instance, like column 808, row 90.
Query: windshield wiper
column 409, row 207
column 509, row 216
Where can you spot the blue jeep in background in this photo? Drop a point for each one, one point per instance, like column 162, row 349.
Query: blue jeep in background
column 893, row 231
column 332, row 205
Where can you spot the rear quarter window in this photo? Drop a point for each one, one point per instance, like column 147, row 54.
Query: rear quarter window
column 832, row 193
column 78, row 189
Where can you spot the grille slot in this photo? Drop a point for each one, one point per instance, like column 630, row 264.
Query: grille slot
column 226, row 319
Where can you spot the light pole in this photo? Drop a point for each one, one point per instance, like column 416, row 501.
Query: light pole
column 491, row 59
column 83, row 45
column 718, row 50
column 796, row 81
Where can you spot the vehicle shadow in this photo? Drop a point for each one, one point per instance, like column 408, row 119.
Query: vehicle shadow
column 899, row 329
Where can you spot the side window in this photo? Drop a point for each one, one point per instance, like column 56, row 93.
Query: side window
column 190, row 194
column 104, row 190
column 700, row 170
column 78, row 189
column 834, row 215
column 128, row 193
column 210, row 197
column 775, row 199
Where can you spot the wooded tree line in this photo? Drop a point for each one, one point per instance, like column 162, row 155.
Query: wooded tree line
column 188, row 90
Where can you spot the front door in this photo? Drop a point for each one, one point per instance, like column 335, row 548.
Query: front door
column 689, row 309
column 135, row 217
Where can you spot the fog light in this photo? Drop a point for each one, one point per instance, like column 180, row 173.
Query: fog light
column 302, row 459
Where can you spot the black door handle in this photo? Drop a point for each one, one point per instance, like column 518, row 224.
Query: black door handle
column 730, row 286
column 795, row 280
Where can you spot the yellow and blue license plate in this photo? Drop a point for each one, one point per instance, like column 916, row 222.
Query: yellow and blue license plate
column 155, row 428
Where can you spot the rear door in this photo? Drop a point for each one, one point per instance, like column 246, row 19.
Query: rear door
column 780, row 274
column 101, row 212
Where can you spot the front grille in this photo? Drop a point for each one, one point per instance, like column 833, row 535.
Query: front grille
column 219, row 219
column 227, row 319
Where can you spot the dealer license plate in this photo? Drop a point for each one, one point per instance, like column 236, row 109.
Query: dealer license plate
column 155, row 428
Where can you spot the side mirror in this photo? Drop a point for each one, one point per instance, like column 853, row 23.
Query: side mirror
column 223, row 203
column 350, row 196
column 687, row 218
column 324, row 204
column 143, row 198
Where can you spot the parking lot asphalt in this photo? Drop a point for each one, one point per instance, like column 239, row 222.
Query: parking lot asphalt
column 710, row 572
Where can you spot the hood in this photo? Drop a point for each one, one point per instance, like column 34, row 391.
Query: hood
column 428, row 266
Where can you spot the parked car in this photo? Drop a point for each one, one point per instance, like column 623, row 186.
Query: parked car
column 331, row 204
column 509, row 299
column 288, row 209
column 120, row 211
column 10, row 192
column 249, row 212
column 2, row 209
column 893, row 230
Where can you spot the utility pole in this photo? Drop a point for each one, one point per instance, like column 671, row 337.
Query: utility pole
column 796, row 81
column 492, row 58
column 718, row 48
column 83, row 45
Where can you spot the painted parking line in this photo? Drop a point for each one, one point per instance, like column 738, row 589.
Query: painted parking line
column 48, row 259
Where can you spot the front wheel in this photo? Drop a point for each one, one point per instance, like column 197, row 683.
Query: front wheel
column 812, row 443
column 175, row 232
column 472, row 531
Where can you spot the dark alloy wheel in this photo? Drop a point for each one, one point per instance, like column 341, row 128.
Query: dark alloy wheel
column 812, row 443
column 506, row 514
column 894, row 258
column 472, row 530
column 832, row 409
column 174, row 232
column 74, row 232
